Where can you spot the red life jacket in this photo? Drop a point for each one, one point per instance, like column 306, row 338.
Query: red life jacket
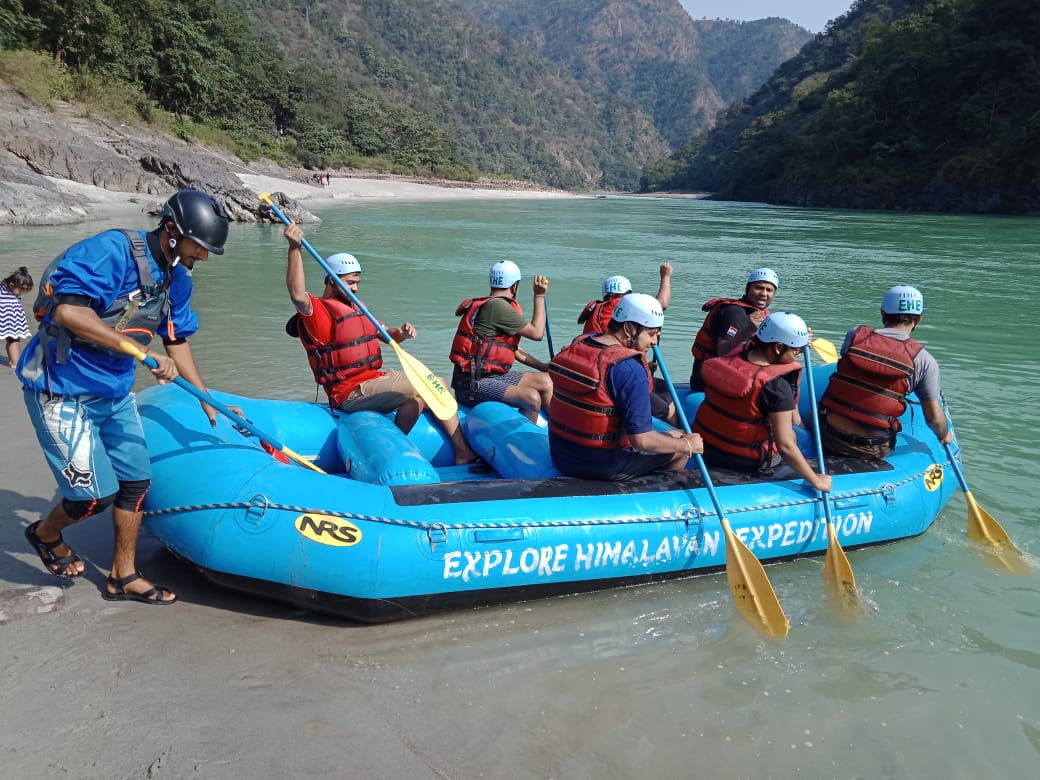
column 478, row 355
column 597, row 315
column 870, row 382
column 581, row 409
column 352, row 356
column 705, row 345
column 730, row 418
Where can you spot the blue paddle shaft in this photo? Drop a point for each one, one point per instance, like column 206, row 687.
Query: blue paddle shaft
column 686, row 427
column 328, row 270
column 956, row 469
column 151, row 362
column 548, row 331
column 816, row 424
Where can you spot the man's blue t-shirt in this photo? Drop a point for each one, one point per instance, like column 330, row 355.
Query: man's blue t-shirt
column 103, row 269
column 628, row 385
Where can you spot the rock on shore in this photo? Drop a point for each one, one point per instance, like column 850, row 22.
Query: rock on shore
column 50, row 163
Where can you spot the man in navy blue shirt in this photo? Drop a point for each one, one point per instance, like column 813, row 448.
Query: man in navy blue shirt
column 600, row 423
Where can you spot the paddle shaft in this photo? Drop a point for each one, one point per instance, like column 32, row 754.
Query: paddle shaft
column 956, row 469
column 206, row 398
column 686, row 427
column 816, row 426
column 749, row 583
column 332, row 274
column 548, row 331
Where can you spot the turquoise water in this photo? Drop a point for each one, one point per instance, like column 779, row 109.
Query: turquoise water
column 939, row 680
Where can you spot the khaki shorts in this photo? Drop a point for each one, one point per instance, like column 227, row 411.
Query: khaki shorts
column 382, row 394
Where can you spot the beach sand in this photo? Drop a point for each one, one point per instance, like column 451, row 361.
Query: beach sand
column 217, row 685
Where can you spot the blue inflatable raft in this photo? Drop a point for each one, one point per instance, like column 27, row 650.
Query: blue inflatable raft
column 394, row 530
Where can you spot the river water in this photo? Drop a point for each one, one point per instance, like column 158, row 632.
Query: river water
column 941, row 678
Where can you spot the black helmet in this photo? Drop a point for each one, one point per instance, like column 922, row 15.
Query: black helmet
column 198, row 217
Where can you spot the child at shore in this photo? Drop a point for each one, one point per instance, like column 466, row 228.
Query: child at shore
column 13, row 325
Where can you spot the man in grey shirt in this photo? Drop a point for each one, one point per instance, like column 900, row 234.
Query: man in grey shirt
column 866, row 395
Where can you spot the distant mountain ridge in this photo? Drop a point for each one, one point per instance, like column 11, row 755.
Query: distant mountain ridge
column 637, row 85
column 929, row 105
column 680, row 72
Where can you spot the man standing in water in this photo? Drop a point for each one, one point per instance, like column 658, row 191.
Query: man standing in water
column 732, row 321
column 114, row 287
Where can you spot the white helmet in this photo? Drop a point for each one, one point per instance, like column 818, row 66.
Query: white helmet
column 764, row 275
column 641, row 309
column 503, row 274
column 617, row 285
column 903, row 299
column 782, row 327
column 342, row 263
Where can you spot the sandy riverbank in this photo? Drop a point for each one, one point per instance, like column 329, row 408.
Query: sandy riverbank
column 342, row 190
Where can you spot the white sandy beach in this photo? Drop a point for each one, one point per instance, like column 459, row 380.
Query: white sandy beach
column 349, row 188
column 341, row 190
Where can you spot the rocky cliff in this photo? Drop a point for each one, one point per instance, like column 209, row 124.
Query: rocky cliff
column 47, row 156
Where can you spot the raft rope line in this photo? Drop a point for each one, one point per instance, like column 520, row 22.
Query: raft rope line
column 695, row 513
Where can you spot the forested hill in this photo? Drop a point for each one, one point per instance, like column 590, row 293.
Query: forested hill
column 928, row 105
column 503, row 108
column 406, row 86
column 679, row 72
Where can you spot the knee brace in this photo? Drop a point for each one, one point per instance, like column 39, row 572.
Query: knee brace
column 81, row 510
column 131, row 494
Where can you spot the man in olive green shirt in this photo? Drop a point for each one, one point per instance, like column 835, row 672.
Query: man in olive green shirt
column 487, row 343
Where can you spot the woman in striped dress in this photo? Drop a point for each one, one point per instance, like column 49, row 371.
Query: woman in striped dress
column 13, row 325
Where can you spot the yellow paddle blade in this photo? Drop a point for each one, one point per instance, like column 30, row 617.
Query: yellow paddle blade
column 751, row 588
column 982, row 527
column 825, row 349
column 299, row 459
column 838, row 576
column 428, row 385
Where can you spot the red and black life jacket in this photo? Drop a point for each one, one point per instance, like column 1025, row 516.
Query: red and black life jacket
column 705, row 345
column 730, row 418
column 581, row 409
column 597, row 315
column 870, row 382
column 351, row 357
column 478, row 356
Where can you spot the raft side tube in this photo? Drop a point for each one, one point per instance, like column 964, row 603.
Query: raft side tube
column 510, row 443
column 375, row 450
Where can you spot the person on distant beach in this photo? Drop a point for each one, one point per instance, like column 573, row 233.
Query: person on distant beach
column 751, row 403
column 599, row 418
column 732, row 321
column 866, row 395
column 115, row 287
column 596, row 317
column 343, row 347
column 13, row 325
column 487, row 343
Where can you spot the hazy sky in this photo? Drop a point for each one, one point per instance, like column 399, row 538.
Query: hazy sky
column 813, row 15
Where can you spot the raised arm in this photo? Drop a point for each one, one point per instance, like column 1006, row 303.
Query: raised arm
column 295, row 280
